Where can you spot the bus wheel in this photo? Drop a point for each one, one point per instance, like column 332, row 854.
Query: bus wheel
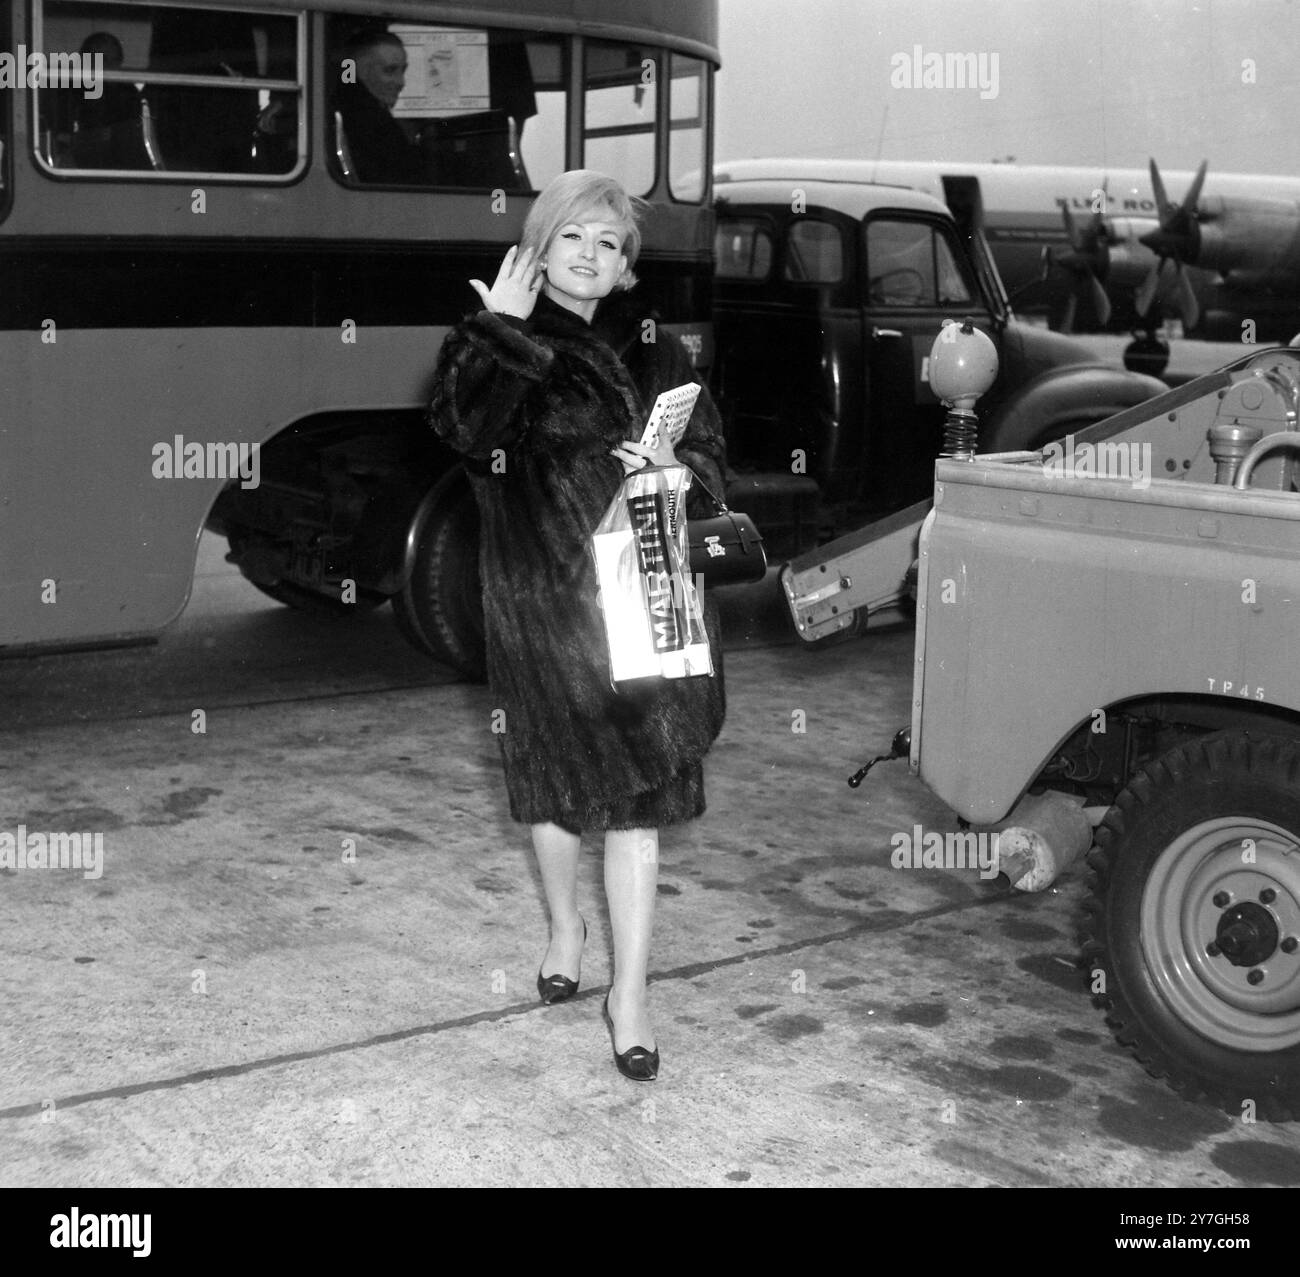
column 1195, row 945
column 440, row 609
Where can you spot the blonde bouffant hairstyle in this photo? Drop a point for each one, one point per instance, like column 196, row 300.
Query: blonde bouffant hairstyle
column 573, row 193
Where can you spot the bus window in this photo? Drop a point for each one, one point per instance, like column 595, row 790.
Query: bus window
column 912, row 263
column 420, row 105
column 184, row 91
column 687, row 110
column 618, row 125
column 543, row 139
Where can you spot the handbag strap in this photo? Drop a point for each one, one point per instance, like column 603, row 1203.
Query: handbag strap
column 717, row 500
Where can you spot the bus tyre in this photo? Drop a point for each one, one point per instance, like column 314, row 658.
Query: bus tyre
column 1194, row 944
column 440, row 609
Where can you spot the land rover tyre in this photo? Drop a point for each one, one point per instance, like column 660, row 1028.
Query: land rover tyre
column 440, row 608
column 1194, row 942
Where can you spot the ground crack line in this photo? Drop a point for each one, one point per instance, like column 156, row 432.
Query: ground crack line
column 867, row 927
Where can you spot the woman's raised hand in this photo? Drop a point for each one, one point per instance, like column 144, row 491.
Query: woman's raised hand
column 517, row 284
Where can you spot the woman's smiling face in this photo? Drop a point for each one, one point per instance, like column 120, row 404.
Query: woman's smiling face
column 585, row 260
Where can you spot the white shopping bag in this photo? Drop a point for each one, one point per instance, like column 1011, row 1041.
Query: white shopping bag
column 654, row 621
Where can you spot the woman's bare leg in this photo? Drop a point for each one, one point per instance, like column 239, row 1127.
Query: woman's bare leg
column 631, row 878
column 557, row 857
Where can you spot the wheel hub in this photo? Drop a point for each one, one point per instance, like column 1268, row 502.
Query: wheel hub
column 1221, row 932
column 1247, row 935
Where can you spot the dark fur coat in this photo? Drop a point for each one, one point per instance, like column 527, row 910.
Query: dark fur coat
column 554, row 394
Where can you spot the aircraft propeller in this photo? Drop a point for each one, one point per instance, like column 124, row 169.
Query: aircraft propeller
column 1086, row 260
column 1176, row 239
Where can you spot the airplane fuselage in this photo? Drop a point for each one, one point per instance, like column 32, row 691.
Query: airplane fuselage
column 1243, row 251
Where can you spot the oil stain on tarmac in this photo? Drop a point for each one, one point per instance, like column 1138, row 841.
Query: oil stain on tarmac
column 927, row 1014
column 788, row 1028
column 1009, row 1047
column 181, row 805
column 1024, row 929
column 1160, row 1120
column 1060, row 970
column 99, row 818
column 783, row 1028
column 1258, row 1163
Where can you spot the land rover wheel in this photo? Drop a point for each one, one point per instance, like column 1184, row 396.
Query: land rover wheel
column 440, row 609
column 1194, row 947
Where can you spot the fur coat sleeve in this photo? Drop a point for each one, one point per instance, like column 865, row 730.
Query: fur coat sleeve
column 486, row 369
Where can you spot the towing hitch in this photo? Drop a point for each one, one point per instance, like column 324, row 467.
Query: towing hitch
column 900, row 748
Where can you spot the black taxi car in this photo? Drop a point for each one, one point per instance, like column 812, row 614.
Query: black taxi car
column 828, row 295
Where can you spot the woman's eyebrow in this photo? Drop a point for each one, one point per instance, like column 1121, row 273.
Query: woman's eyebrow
column 600, row 230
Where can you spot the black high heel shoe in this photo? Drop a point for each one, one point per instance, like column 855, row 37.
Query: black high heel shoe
column 636, row 1062
column 558, row 988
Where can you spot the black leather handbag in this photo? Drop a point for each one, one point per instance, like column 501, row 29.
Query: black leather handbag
column 726, row 549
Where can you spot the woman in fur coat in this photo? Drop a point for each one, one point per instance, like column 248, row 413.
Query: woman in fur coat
column 545, row 392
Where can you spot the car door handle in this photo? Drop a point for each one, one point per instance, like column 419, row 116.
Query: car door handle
column 878, row 333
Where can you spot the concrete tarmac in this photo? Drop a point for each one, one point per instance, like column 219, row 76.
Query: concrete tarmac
column 310, row 956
